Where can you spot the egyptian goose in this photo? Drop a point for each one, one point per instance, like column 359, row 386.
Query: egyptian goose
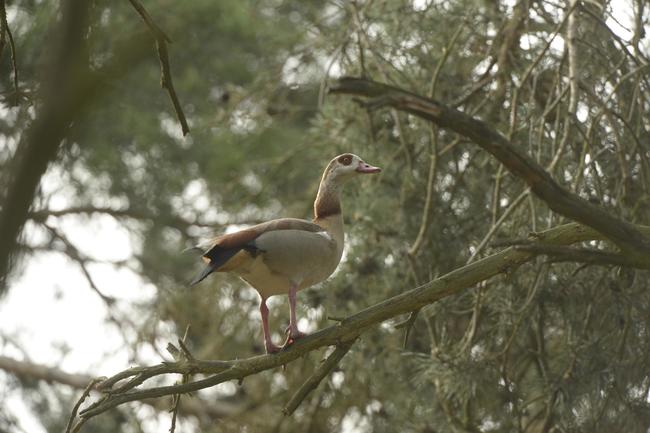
column 286, row 255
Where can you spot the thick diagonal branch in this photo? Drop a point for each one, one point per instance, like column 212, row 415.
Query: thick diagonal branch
column 559, row 199
column 345, row 331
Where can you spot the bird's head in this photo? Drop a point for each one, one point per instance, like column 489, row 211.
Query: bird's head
column 347, row 166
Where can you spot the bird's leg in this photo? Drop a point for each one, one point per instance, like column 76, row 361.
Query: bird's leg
column 268, row 343
column 292, row 330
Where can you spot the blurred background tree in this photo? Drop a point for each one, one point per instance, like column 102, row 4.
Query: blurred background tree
column 550, row 347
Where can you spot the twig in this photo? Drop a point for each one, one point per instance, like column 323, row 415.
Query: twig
column 75, row 409
column 380, row 60
column 568, row 16
column 408, row 324
column 176, row 398
column 165, row 71
column 428, row 203
column 426, row 213
column 71, row 251
column 317, row 376
column 185, row 350
column 497, row 224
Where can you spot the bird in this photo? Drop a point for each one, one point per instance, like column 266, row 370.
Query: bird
column 286, row 255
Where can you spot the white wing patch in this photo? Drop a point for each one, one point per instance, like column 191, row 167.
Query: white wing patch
column 326, row 235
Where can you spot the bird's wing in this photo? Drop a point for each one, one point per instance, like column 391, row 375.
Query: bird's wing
column 297, row 253
column 221, row 253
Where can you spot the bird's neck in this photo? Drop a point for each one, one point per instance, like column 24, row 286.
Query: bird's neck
column 328, row 202
column 327, row 211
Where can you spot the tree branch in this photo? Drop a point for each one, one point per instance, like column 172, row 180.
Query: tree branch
column 580, row 255
column 133, row 213
column 317, row 376
column 41, row 372
column 343, row 333
column 26, row 369
column 77, row 405
column 165, row 71
column 68, row 87
column 40, row 143
column 5, row 30
column 559, row 199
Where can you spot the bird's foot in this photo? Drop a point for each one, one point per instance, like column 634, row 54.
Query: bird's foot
column 272, row 348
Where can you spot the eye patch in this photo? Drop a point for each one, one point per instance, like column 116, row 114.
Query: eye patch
column 345, row 159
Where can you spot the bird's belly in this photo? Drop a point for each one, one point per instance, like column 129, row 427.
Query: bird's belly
column 269, row 283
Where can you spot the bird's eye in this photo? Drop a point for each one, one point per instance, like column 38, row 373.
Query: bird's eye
column 345, row 159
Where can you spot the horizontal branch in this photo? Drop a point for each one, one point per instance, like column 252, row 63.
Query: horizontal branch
column 132, row 213
column 559, row 199
column 32, row 371
column 341, row 334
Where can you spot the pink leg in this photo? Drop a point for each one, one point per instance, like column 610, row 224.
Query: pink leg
column 268, row 343
column 292, row 330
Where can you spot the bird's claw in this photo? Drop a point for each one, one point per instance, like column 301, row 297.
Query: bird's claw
column 292, row 336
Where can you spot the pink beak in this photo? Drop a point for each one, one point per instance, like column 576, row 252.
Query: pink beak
column 367, row 168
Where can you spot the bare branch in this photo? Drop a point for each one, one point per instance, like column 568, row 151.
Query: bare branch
column 165, row 71
column 559, row 199
column 176, row 398
column 71, row 251
column 71, row 424
column 138, row 214
column 33, row 371
column 41, row 372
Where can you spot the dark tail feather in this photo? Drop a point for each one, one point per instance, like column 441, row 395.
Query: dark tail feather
column 209, row 268
column 218, row 258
